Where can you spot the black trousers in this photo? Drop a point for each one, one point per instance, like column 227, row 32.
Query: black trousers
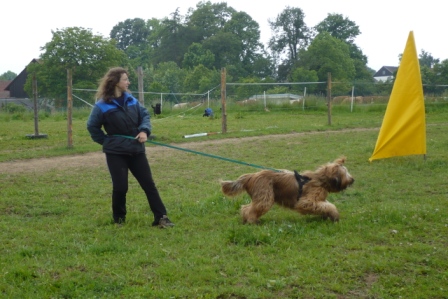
column 119, row 167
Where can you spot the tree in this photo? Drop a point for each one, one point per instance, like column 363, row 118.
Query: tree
column 197, row 55
column 76, row 48
column 131, row 32
column 232, row 37
column 169, row 76
column 9, row 75
column 226, row 47
column 139, row 56
column 440, row 71
column 213, row 35
column 426, row 59
column 339, row 27
column 208, row 19
column 344, row 29
column 201, row 79
column 155, row 27
column 243, row 27
column 173, row 39
column 290, row 33
column 362, row 71
column 327, row 54
column 433, row 73
column 132, row 36
column 303, row 75
column 428, row 79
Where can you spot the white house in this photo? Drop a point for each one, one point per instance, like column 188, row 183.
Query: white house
column 385, row 73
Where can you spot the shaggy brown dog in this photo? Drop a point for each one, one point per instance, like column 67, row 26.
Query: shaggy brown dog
column 305, row 193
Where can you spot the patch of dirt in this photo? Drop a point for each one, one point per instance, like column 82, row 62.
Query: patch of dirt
column 98, row 159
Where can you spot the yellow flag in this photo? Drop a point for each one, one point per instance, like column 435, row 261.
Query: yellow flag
column 403, row 131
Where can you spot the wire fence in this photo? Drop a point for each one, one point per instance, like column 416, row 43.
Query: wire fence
column 254, row 97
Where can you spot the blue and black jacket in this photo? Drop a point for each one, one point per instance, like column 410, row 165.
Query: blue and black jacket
column 129, row 120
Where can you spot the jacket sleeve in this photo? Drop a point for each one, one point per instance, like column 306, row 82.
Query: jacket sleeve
column 94, row 125
column 145, row 123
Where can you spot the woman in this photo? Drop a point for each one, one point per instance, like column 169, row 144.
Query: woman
column 123, row 118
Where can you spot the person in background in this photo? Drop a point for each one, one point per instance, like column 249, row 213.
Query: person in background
column 208, row 112
column 126, row 126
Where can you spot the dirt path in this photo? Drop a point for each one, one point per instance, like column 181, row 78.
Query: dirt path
column 97, row 158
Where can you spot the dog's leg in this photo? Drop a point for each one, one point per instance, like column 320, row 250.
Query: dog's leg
column 262, row 202
column 252, row 212
column 323, row 208
column 248, row 214
column 328, row 210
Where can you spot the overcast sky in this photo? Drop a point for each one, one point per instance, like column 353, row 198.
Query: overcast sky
column 384, row 25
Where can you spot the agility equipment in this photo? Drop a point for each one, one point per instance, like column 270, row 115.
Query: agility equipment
column 403, row 131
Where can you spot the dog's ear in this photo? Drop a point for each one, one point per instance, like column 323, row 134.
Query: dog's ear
column 340, row 160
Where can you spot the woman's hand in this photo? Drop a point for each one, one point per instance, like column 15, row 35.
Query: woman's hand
column 142, row 137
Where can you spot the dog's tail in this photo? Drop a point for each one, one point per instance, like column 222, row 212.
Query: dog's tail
column 233, row 188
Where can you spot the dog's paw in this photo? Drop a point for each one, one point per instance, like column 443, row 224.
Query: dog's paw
column 334, row 218
column 251, row 221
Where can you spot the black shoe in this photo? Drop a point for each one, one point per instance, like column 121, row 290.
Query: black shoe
column 163, row 222
column 120, row 220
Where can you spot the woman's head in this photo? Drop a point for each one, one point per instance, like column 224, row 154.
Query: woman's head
column 116, row 79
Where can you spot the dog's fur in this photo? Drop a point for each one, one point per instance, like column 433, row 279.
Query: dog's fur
column 267, row 187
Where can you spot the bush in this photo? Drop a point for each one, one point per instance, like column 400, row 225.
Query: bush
column 13, row 108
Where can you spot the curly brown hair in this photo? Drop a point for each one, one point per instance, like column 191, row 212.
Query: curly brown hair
column 106, row 88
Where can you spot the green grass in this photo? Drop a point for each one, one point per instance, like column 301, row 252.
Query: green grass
column 58, row 240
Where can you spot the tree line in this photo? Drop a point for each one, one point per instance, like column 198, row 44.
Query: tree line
column 185, row 53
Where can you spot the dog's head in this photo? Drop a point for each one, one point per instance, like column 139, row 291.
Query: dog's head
column 335, row 176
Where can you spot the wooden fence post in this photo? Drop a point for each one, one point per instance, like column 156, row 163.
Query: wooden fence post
column 141, row 97
column 69, row 109
column 329, row 98
column 36, row 113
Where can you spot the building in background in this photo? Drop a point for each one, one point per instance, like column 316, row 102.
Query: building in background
column 385, row 73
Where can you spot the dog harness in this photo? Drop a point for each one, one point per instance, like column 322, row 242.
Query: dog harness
column 302, row 180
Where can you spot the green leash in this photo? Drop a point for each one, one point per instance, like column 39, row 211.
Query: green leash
column 203, row 154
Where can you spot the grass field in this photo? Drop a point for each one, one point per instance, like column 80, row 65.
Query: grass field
column 58, row 240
